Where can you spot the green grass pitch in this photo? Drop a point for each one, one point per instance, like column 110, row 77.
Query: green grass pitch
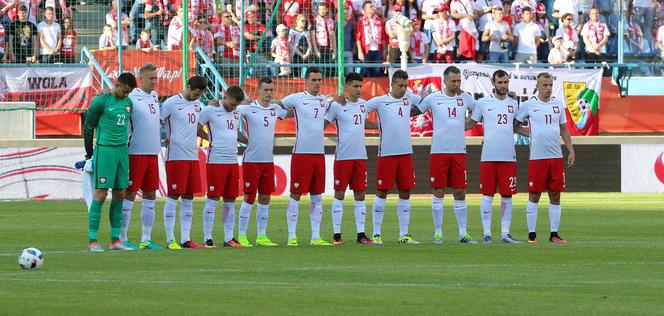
column 613, row 264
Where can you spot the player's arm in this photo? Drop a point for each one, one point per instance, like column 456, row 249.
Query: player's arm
column 201, row 132
column 91, row 121
column 470, row 123
column 242, row 137
column 327, row 123
column 370, row 125
column 567, row 139
column 519, row 129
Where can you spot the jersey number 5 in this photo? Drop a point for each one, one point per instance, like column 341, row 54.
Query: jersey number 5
column 265, row 121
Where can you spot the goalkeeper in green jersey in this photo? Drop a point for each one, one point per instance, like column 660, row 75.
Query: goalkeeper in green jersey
column 109, row 115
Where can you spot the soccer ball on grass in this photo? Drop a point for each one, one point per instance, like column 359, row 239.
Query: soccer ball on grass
column 30, row 258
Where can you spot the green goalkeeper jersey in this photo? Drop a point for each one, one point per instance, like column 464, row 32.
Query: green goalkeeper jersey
column 110, row 117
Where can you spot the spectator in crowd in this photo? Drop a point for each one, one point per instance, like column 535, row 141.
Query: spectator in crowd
column 280, row 51
column 483, row 9
column 518, row 6
column 412, row 10
column 2, row 41
column 429, row 16
column 325, row 40
column 644, row 11
column 543, row 22
column 228, row 40
column 498, row 34
column 299, row 42
column 558, row 54
column 112, row 20
column 507, row 14
column 595, row 36
column 143, row 43
column 349, row 37
column 464, row 11
column 205, row 38
column 49, row 37
column 370, row 39
column 560, row 7
column 253, row 30
column 660, row 42
column 33, row 9
column 62, row 9
column 391, row 29
column 107, row 40
column 527, row 36
column 8, row 11
column 22, row 44
column 68, row 50
column 636, row 45
column 137, row 18
column 175, row 30
column 419, row 44
column 157, row 20
column 291, row 8
column 659, row 21
column 444, row 33
column 570, row 38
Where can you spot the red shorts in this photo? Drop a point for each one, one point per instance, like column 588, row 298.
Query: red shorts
column 222, row 180
column 258, row 176
column 143, row 173
column 183, row 177
column 307, row 173
column 350, row 172
column 448, row 171
column 501, row 172
column 546, row 174
column 397, row 169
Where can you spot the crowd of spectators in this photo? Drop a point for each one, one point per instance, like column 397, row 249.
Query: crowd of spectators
column 305, row 31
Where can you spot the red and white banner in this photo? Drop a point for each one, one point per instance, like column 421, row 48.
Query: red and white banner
column 642, row 168
column 578, row 88
column 49, row 88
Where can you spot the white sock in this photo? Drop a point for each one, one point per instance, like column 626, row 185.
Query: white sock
column 291, row 217
column 531, row 216
column 485, row 212
column 169, row 218
column 127, row 205
column 147, row 219
column 554, row 216
column 505, row 216
column 461, row 212
column 403, row 213
column 261, row 219
column 245, row 216
column 186, row 218
column 315, row 215
column 337, row 215
column 360, row 215
column 228, row 216
column 208, row 218
column 437, row 213
column 378, row 211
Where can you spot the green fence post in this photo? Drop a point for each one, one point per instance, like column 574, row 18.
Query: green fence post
column 185, row 44
column 341, row 17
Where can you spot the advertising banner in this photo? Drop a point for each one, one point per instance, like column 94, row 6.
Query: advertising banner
column 642, row 168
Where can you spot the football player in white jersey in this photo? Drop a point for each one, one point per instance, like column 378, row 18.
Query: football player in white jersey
column 222, row 170
column 395, row 154
column 308, row 159
column 546, row 168
column 144, row 149
column 498, row 161
column 350, row 163
column 259, row 119
column 447, row 164
column 180, row 114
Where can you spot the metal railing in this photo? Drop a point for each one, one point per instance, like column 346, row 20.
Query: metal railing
column 207, row 69
column 100, row 74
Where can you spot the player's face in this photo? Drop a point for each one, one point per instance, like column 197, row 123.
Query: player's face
column 453, row 83
column 230, row 104
column 148, row 80
column 399, row 87
column 314, row 82
column 502, row 85
column 123, row 90
column 265, row 92
column 194, row 94
column 354, row 89
column 544, row 87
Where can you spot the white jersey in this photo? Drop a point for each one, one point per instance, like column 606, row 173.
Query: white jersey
column 309, row 119
column 545, row 120
column 181, row 117
column 498, row 119
column 260, row 123
column 449, row 121
column 222, row 134
column 349, row 120
column 144, row 124
column 393, row 123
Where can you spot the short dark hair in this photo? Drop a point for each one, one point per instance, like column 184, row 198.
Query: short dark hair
column 399, row 74
column 264, row 80
column 353, row 76
column 365, row 4
column 49, row 9
column 235, row 92
column 128, row 79
column 312, row 70
column 526, row 9
column 451, row 70
column 197, row 83
column 498, row 74
column 566, row 15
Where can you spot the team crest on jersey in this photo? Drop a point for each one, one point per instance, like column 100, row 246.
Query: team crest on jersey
column 336, row 181
column 127, row 108
column 510, row 109
column 321, row 103
column 432, row 179
column 212, row 188
column 174, row 186
column 102, row 180
column 273, row 112
column 556, row 110
column 362, row 108
column 459, row 102
column 405, row 101
column 130, row 182
column 247, row 184
column 296, row 185
column 235, row 115
column 530, row 183
column 380, row 181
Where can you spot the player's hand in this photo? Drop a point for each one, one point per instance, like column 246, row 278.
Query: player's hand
column 214, row 103
column 571, row 158
column 88, row 167
column 340, row 99
column 512, row 94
